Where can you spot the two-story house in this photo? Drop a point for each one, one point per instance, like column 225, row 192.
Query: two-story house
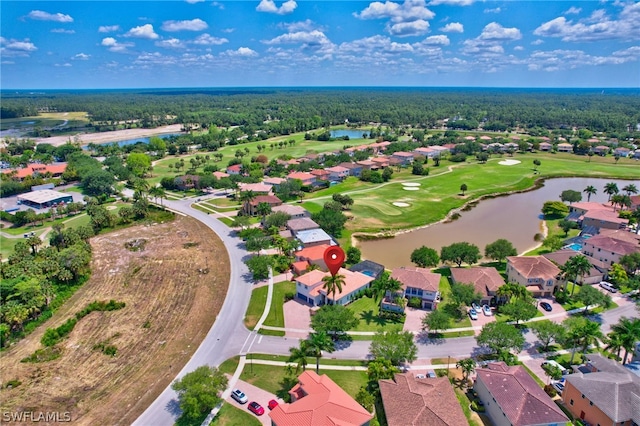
column 537, row 273
column 310, row 288
column 420, row 283
column 609, row 247
column 485, row 280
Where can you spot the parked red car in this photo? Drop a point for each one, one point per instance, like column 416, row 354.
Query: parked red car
column 255, row 408
column 272, row 404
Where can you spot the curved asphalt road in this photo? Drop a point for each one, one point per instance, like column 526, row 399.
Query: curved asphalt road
column 229, row 337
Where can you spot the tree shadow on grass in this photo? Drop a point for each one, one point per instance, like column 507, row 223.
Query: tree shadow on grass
column 370, row 317
column 191, row 421
column 286, row 384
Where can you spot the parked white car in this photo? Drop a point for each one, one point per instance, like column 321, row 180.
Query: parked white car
column 608, row 286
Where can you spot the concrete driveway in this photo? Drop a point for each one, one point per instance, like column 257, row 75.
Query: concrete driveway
column 297, row 316
column 256, row 394
column 557, row 311
column 413, row 320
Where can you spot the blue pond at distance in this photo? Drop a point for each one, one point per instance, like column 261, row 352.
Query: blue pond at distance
column 353, row 134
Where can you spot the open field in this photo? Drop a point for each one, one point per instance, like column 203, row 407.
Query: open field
column 170, row 307
column 114, row 136
column 46, row 120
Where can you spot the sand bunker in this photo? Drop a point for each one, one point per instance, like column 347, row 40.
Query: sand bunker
column 410, row 188
column 509, row 162
column 399, row 204
column 410, row 184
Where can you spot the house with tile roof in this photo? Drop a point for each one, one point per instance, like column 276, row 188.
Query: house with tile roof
column 409, row 401
column 601, row 150
column 292, row 210
column 621, row 151
column 307, row 178
column 564, row 147
column 512, row 397
column 609, row 248
column 275, row 182
column 317, row 401
column 597, row 273
column 301, row 224
column 368, row 165
column 314, row 237
column 54, row 169
column 405, row 158
column 545, row 146
column 354, row 169
column 313, row 255
column 321, row 174
column 485, row 280
column 309, row 287
column 236, row 169
column 603, row 393
column 381, row 162
column 249, row 207
column 420, row 283
column 337, row 173
column 257, row 188
column 220, row 175
column 537, row 273
column 427, row 152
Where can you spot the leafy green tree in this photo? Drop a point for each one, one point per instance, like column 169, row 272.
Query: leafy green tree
column 139, row 163
column 570, row 196
column 512, row 290
column 536, row 164
column 258, row 243
column 499, row 250
column 464, row 294
column 330, row 220
column 333, row 284
column 590, row 190
column 345, row 200
column 277, row 219
column 553, row 242
column 547, row 332
column 519, row 310
column 335, row 320
column 463, row 188
column 353, row 255
column 241, row 221
column 580, row 332
column 592, row 296
column 631, row 262
column 555, row 209
column 618, row 275
column 263, row 209
column 630, row 189
column 460, row 253
column 499, row 336
column 567, row 225
column 318, row 342
column 395, row 345
column 552, row 372
column 97, row 182
column 614, row 343
column 299, row 355
column 425, row 257
column 385, row 284
column 365, row 398
column 576, row 267
column 379, row 369
column 259, row 266
column 199, row 391
column 435, row 321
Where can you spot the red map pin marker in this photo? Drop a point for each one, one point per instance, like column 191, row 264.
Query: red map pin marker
column 334, row 259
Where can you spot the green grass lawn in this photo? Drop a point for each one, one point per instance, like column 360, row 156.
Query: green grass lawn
column 232, row 416
column 367, row 310
column 312, row 361
column 258, row 300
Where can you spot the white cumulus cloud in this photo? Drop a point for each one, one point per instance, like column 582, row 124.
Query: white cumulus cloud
column 572, row 11
column 269, row 6
column 207, row 40
column 453, row 27
column 188, row 25
column 493, row 10
column 114, row 45
column 496, row 32
column 12, row 47
column 437, row 40
column 108, row 28
column 452, row 2
column 410, row 10
column 171, row 43
column 81, row 57
column 241, row 52
column 143, row 31
column 407, row 29
column 40, row 15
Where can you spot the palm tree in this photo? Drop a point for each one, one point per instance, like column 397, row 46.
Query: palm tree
column 590, row 190
column 577, row 266
column 299, row 355
column 247, row 197
column 615, row 343
column 610, row 189
column 591, row 335
column 157, row 192
column 263, row 209
column 468, row 366
column 512, row 290
column 332, row 284
column 383, row 285
column 318, row 342
column 630, row 189
column 629, row 331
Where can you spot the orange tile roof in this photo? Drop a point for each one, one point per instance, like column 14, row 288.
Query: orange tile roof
column 417, row 278
column 312, row 253
column 483, row 278
column 534, row 267
column 352, row 282
column 300, row 175
column 614, row 245
column 54, row 169
column 320, row 403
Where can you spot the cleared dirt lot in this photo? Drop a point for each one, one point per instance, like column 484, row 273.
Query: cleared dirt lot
column 171, row 303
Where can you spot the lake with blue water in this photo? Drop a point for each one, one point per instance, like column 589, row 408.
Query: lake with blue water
column 137, row 140
column 353, row 134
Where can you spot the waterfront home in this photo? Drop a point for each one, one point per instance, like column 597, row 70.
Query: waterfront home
column 597, row 215
column 420, row 283
column 485, row 280
column 354, row 169
column 314, row 237
column 564, row 147
column 610, row 247
column 316, row 400
column 512, row 397
column 537, row 273
column 411, row 401
column 309, row 287
column 635, row 202
column 379, row 147
column 313, row 255
column 597, row 273
column 337, row 173
column 603, row 393
column 368, row 267
column 301, row 224
column 292, row 210
column 405, row 158
column 52, row 170
column 249, row 207
column 307, row 179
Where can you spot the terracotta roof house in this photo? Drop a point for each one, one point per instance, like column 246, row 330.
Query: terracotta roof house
column 604, row 218
column 249, row 207
column 485, row 280
column 314, row 237
column 450, row 146
column 321, row 174
column 257, row 188
column 299, row 267
column 420, row 283
column 440, row 149
column 292, row 210
column 607, row 394
column 236, row 169
column 601, row 150
column 55, row 169
column 220, row 175
column 405, row 157
column 512, row 397
column 309, row 287
column 313, row 255
column 354, row 169
column 564, row 147
column 621, row 151
column 338, row 173
column 186, row 182
column 598, row 270
column 537, row 273
column 381, row 161
column 318, row 401
column 301, row 224
column 368, row 165
column 485, row 138
column 307, row 178
column 274, row 181
column 409, row 401
column 428, row 152
column 545, row 146
column 469, row 138
column 635, row 201
column 608, row 249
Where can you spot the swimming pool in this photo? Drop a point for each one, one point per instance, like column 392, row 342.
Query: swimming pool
column 575, row 247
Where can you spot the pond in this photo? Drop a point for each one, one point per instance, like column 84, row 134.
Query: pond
column 136, row 140
column 353, row 134
column 516, row 218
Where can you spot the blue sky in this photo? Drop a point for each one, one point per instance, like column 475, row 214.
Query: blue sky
column 129, row 44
